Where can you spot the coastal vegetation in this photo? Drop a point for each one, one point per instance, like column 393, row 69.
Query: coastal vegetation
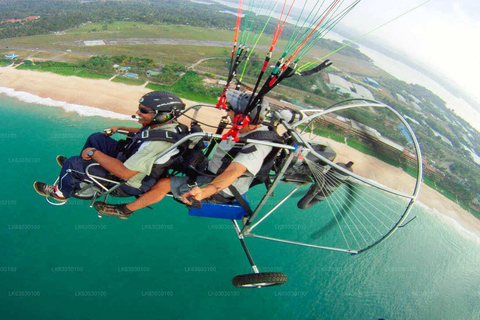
column 445, row 138
column 5, row 62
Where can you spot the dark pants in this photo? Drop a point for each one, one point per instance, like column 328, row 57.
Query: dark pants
column 73, row 171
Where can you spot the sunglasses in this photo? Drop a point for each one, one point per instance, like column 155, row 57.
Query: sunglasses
column 144, row 110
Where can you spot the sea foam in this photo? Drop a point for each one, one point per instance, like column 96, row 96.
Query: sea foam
column 82, row 110
column 451, row 223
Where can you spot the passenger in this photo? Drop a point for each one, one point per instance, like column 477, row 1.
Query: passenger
column 226, row 168
column 132, row 161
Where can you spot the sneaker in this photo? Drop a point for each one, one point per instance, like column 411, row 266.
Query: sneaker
column 245, row 220
column 117, row 210
column 47, row 190
column 61, row 160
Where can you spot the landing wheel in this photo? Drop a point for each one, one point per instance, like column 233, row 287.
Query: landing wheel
column 310, row 199
column 259, row 280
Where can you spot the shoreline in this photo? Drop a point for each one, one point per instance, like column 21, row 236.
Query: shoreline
column 90, row 97
column 101, row 94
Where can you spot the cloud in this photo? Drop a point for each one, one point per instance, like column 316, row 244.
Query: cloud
column 441, row 33
column 467, row 8
column 446, row 40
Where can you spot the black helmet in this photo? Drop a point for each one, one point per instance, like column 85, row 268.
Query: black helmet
column 165, row 104
column 239, row 102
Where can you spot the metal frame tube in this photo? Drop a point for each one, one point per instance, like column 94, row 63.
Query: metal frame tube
column 94, row 179
column 302, row 244
column 269, row 191
column 244, row 246
column 250, row 228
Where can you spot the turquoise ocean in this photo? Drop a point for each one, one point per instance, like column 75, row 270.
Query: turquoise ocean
column 65, row 263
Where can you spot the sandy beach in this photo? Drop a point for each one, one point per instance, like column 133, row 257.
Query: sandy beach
column 123, row 99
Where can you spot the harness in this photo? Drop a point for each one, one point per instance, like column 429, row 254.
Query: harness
column 267, row 164
column 146, row 134
column 130, row 147
column 239, row 148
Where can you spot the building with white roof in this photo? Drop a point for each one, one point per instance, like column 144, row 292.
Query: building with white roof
column 363, row 92
column 347, row 87
column 401, row 98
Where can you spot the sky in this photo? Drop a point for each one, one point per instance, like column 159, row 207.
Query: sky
column 441, row 33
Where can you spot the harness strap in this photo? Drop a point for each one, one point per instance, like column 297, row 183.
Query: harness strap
column 151, row 135
column 162, row 135
column 222, row 125
column 240, row 147
column 231, row 154
column 240, row 200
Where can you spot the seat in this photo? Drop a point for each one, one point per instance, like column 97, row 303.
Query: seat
column 230, row 211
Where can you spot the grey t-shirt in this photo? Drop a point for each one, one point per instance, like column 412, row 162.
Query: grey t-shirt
column 143, row 160
column 252, row 161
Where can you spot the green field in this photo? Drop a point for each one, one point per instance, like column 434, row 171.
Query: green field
column 327, row 134
column 130, row 81
column 60, row 68
column 73, row 39
column 4, row 63
column 161, row 53
column 64, row 69
column 92, row 75
column 125, row 30
column 190, row 87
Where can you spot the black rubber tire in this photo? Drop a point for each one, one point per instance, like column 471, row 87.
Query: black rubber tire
column 258, row 280
column 309, row 200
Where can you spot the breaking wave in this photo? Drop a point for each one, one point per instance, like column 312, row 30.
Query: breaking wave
column 82, row 110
